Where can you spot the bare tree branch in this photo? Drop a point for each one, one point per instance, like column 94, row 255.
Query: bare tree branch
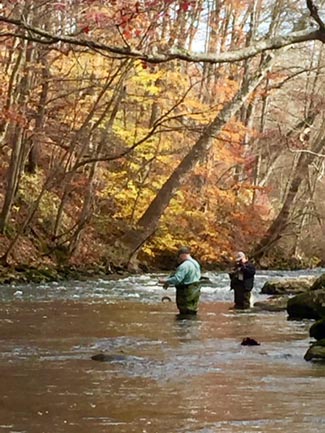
column 46, row 38
column 314, row 14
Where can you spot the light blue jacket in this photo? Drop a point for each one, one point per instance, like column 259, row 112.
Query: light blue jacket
column 188, row 272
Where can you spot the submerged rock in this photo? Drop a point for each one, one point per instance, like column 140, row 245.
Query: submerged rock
column 102, row 357
column 274, row 303
column 248, row 341
column 205, row 281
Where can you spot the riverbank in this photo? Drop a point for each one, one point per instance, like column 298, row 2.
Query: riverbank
column 20, row 274
column 27, row 274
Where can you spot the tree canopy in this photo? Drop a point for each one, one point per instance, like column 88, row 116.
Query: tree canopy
column 129, row 128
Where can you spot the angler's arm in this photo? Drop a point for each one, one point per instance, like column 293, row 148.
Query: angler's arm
column 175, row 279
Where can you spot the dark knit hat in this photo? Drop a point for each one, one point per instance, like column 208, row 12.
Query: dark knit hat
column 184, row 250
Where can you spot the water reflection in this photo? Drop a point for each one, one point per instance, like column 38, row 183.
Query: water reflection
column 187, row 328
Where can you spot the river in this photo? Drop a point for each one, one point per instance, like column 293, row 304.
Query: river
column 165, row 375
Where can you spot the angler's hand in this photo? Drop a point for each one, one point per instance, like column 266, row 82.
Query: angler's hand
column 164, row 283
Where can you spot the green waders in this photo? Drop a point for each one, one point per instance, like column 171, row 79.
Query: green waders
column 187, row 297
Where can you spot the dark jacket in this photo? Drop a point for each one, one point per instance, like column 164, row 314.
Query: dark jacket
column 243, row 277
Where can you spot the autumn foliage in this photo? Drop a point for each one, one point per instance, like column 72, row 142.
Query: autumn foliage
column 91, row 136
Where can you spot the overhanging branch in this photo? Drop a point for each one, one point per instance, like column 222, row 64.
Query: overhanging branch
column 314, row 14
column 40, row 36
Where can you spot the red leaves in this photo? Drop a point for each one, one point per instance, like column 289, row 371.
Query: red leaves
column 127, row 34
column 100, row 19
column 60, row 6
column 85, row 29
column 186, row 5
column 119, row 14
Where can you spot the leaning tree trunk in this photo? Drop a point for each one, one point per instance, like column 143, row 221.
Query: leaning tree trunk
column 33, row 152
column 126, row 248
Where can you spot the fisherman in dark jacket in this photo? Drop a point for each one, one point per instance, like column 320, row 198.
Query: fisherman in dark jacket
column 242, row 281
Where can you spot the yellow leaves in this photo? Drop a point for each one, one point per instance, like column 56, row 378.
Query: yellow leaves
column 177, row 79
column 49, row 206
column 29, row 190
column 214, row 220
column 30, row 186
column 86, row 64
column 145, row 79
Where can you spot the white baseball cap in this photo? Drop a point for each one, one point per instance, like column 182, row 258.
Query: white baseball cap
column 240, row 256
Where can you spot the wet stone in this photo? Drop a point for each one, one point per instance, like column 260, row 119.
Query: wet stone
column 102, row 357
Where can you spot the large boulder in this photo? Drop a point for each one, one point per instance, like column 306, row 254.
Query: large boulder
column 317, row 330
column 288, row 286
column 316, row 351
column 309, row 305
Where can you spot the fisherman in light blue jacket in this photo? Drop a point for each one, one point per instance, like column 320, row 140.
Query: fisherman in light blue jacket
column 186, row 280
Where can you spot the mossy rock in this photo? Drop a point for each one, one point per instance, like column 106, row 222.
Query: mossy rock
column 8, row 278
column 25, row 274
column 316, row 351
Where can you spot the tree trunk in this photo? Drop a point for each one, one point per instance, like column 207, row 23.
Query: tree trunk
column 128, row 246
column 18, row 141
column 32, row 162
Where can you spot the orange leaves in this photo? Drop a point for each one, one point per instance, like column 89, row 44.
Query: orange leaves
column 216, row 215
column 224, row 90
column 13, row 116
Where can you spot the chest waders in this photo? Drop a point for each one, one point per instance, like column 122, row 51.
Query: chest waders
column 242, row 293
column 187, row 297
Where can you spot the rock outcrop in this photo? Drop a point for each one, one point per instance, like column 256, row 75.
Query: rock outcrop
column 316, row 352
column 317, row 330
column 288, row 286
column 310, row 305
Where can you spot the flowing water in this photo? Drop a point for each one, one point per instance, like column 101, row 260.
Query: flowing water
column 164, row 375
